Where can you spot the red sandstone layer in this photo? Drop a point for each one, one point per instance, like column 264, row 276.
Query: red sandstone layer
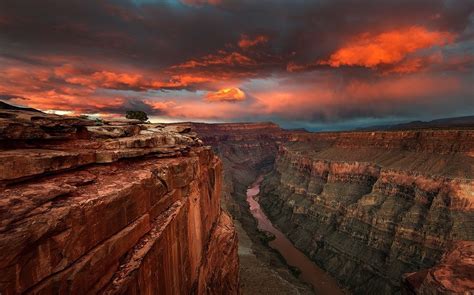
column 117, row 207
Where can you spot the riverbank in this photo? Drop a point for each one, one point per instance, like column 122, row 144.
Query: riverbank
column 262, row 269
column 309, row 272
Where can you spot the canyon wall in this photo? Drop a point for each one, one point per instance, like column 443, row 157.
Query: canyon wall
column 246, row 150
column 383, row 212
column 110, row 207
column 370, row 207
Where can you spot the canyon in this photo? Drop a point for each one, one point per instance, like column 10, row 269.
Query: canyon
column 119, row 206
column 382, row 212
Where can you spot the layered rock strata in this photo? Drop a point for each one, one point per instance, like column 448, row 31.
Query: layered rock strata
column 453, row 275
column 366, row 206
column 246, row 150
column 110, row 207
column 370, row 212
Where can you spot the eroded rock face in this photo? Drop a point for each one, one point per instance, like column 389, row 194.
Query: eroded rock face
column 246, row 150
column 110, row 207
column 366, row 206
column 365, row 219
column 453, row 275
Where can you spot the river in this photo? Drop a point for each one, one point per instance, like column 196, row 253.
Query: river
column 310, row 273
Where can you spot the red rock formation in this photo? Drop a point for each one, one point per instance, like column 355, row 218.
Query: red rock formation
column 369, row 214
column 429, row 141
column 453, row 275
column 367, row 206
column 247, row 149
column 110, row 207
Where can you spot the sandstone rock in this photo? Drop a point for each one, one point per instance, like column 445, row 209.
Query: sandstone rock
column 178, row 128
column 17, row 124
column 364, row 221
column 121, row 122
column 366, row 206
column 31, row 145
column 453, row 275
column 102, row 209
column 113, row 131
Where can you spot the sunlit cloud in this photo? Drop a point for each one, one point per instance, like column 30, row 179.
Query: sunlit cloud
column 388, row 48
column 247, row 42
column 222, row 58
column 226, row 95
column 301, row 62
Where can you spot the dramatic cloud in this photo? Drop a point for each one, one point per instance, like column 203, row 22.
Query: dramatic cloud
column 317, row 63
column 387, row 48
column 246, row 42
column 226, row 94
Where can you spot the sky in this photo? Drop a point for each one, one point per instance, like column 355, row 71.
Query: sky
column 320, row 65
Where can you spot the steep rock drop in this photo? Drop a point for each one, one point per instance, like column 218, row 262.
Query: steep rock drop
column 246, row 150
column 365, row 220
column 383, row 212
column 120, row 207
column 113, row 207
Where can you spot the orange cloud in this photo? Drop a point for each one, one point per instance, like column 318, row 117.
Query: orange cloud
column 111, row 79
column 107, row 79
column 161, row 105
column 220, row 59
column 246, row 42
column 330, row 99
column 226, row 94
column 370, row 51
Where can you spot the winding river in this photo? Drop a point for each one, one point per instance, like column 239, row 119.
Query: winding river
column 310, row 273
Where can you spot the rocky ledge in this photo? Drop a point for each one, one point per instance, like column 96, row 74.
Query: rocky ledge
column 453, row 275
column 113, row 206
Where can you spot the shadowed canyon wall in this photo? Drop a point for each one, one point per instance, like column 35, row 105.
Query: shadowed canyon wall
column 113, row 207
column 247, row 150
column 380, row 211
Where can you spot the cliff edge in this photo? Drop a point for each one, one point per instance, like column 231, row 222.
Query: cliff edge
column 110, row 207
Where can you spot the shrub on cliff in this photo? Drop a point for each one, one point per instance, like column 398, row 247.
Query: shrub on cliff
column 139, row 115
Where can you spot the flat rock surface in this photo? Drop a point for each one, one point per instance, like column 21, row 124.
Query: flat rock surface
column 33, row 143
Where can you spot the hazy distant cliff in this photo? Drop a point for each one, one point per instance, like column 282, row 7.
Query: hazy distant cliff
column 111, row 208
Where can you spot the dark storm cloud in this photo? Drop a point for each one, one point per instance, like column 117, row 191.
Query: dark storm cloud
column 63, row 54
column 8, row 96
column 132, row 104
column 162, row 33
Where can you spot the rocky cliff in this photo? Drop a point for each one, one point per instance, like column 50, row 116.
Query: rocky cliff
column 112, row 207
column 246, row 150
column 380, row 211
column 369, row 207
column 452, row 275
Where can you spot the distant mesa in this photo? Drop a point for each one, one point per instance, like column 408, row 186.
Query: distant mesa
column 465, row 122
